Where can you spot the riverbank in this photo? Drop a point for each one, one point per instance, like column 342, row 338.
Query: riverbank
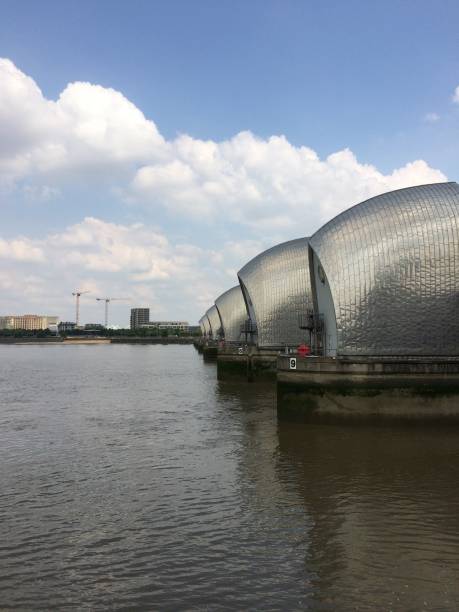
column 153, row 340
column 97, row 340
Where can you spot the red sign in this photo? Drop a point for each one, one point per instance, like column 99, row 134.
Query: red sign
column 303, row 350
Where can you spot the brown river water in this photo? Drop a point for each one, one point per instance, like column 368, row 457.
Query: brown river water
column 131, row 479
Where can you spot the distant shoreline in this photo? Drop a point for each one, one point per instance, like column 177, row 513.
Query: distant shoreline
column 98, row 340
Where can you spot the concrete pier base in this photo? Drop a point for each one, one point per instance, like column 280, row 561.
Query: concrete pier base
column 207, row 347
column 263, row 364
column 246, row 362
column 332, row 390
column 198, row 344
column 231, row 365
column 209, row 352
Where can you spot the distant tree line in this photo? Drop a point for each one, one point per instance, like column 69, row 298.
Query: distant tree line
column 25, row 333
column 141, row 332
column 137, row 333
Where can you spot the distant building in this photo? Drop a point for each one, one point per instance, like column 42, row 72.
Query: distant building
column 28, row 322
column 139, row 317
column 93, row 326
column 66, row 326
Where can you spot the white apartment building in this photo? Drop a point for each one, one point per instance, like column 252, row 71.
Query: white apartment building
column 28, row 321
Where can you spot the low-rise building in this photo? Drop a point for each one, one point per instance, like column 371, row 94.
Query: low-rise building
column 66, row 326
column 172, row 325
column 93, row 327
column 28, row 322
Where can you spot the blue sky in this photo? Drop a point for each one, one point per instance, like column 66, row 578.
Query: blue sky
column 374, row 79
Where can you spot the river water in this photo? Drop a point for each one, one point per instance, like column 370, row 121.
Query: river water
column 132, row 479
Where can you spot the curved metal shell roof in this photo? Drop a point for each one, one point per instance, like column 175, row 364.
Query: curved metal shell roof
column 206, row 325
column 232, row 310
column 214, row 322
column 277, row 290
column 392, row 266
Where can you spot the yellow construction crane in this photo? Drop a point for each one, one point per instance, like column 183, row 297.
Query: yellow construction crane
column 77, row 294
column 107, row 301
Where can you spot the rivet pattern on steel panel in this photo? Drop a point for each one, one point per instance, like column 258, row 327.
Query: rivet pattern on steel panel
column 278, row 283
column 392, row 263
column 233, row 313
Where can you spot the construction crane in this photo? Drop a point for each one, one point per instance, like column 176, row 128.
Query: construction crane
column 77, row 295
column 107, row 301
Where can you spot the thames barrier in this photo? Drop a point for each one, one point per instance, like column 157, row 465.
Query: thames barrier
column 359, row 320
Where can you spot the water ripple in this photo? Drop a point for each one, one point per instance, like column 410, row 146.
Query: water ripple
column 150, row 485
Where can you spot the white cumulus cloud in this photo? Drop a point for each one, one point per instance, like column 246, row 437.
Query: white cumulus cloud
column 269, row 184
column 177, row 280
column 87, row 128
column 21, row 249
column 431, row 117
column 94, row 133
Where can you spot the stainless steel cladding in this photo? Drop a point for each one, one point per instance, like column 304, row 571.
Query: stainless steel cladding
column 201, row 325
column 387, row 274
column 214, row 321
column 277, row 290
column 206, row 325
column 233, row 313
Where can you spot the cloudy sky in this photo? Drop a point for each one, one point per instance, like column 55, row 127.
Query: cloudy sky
column 148, row 149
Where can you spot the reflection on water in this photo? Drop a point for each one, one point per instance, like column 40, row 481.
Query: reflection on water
column 385, row 509
column 131, row 478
